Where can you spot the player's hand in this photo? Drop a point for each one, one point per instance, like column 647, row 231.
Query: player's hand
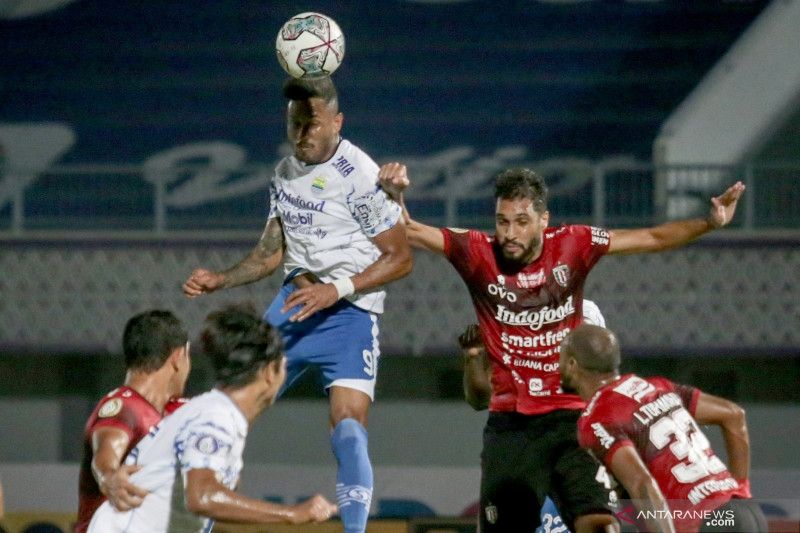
column 315, row 509
column 312, row 299
column 393, row 178
column 724, row 206
column 471, row 341
column 123, row 494
column 202, row 281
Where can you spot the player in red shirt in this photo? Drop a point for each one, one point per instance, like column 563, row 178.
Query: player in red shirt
column 645, row 430
column 526, row 283
column 156, row 352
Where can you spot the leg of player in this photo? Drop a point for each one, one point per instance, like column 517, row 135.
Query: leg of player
column 348, row 418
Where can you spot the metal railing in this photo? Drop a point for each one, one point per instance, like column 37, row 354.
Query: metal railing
column 158, row 202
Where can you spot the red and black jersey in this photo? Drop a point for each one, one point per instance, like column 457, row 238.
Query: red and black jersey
column 655, row 416
column 525, row 311
column 122, row 408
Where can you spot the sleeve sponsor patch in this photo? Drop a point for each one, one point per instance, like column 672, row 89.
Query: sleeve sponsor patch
column 603, row 436
column 373, row 212
column 599, row 236
column 207, row 444
column 110, row 408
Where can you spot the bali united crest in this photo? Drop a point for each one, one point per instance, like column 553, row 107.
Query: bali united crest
column 561, row 275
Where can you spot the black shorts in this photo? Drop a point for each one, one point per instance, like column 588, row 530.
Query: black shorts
column 529, row 457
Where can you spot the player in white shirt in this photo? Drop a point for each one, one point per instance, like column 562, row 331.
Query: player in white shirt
column 340, row 239
column 190, row 463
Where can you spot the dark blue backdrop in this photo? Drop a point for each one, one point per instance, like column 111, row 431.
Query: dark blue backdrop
column 133, row 78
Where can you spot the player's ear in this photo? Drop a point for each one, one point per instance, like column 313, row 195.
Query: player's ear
column 545, row 219
column 338, row 121
column 175, row 357
column 269, row 372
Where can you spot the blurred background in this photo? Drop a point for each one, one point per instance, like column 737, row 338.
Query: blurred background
column 137, row 140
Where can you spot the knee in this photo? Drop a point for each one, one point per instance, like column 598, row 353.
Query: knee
column 349, row 430
column 340, row 415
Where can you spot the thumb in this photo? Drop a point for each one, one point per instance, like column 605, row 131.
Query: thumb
column 131, row 469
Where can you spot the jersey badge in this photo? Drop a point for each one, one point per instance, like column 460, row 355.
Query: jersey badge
column 561, row 275
column 110, row 408
column 318, row 185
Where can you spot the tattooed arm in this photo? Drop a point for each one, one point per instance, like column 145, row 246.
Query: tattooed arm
column 262, row 261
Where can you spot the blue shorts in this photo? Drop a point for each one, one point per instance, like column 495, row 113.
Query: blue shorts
column 342, row 341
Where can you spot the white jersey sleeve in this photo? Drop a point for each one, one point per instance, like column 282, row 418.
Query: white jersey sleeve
column 370, row 206
column 211, row 441
column 592, row 314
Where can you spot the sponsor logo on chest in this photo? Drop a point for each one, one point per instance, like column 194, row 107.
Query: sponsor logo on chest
column 531, row 281
column 535, row 319
column 299, row 202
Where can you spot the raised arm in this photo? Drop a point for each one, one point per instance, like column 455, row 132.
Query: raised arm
column 108, row 451
column 262, row 261
column 680, row 232
column 476, row 381
column 394, row 180
column 628, row 468
column 208, row 497
column 731, row 419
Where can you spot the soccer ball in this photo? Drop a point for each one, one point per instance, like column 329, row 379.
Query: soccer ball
column 310, row 44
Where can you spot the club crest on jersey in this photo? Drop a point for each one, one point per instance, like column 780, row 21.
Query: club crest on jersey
column 110, row 408
column 561, row 275
column 318, row 185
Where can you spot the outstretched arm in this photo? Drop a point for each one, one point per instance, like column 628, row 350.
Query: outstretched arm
column 262, row 261
column 394, row 263
column 208, row 497
column 731, row 419
column 628, row 469
column 394, row 180
column 476, row 381
column 677, row 233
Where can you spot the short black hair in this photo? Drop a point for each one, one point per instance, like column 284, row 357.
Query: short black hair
column 239, row 344
column 522, row 183
column 311, row 87
column 149, row 339
column 595, row 348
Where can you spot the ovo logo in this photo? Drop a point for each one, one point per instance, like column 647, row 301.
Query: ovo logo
column 500, row 290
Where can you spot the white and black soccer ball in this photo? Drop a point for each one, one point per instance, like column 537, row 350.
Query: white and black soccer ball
column 310, row 44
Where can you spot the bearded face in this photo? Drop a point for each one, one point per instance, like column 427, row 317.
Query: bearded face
column 519, row 229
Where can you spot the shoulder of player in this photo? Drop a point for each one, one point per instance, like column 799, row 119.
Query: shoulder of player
column 126, row 397
column 472, row 235
column 605, row 405
column 569, row 230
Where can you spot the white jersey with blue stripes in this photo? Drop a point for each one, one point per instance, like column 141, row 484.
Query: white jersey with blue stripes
column 329, row 212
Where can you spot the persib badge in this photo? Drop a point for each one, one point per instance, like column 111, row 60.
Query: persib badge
column 318, row 185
